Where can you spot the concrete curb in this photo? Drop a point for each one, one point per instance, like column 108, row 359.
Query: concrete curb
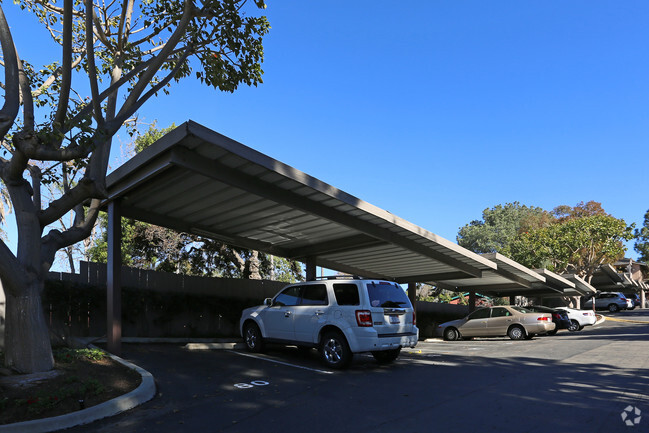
column 615, row 319
column 141, row 394
column 215, row 346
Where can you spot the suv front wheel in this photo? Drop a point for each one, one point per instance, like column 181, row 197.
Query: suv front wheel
column 334, row 350
column 252, row 337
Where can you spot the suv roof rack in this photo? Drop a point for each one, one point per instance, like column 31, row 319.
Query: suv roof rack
column 339, row 277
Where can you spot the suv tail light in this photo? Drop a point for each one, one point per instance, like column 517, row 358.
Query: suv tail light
column 364, row 318
column 414, row 318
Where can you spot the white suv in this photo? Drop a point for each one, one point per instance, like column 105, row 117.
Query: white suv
column 340, row 317
column 612, row 301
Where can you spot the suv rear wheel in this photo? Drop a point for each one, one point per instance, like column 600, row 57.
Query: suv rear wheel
column 334, row 350
column 613, row 308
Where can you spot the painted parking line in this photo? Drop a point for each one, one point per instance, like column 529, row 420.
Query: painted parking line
column 614, row 319
column 281, row 362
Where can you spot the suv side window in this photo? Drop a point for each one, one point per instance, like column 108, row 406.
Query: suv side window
column 346, row 294
column 288, row 297
column 314, row 294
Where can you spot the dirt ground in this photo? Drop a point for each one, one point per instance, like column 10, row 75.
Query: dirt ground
column 71, row 386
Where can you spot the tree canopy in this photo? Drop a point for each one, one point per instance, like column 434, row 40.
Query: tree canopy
column 499, row 225
column 576, row 239
column 642, row 239
column 58, row 119
column 577, row 245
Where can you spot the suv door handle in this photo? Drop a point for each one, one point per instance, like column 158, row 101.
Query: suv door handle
column 319, row 313
column 287, row 314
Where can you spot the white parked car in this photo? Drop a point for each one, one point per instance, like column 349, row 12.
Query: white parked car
column 339, row 317
column 611, row 301
column 579, row 318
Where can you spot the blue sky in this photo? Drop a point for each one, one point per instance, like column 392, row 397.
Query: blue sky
column 436, row 110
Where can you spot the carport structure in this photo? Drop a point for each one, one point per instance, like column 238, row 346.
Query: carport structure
column 511, row 279
column 197, row 181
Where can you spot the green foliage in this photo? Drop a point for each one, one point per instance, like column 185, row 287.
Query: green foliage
column 499, row 225
column 578, row 245
column 67, row 355
column 642, row 239
column 152, row 135
column 565, row 212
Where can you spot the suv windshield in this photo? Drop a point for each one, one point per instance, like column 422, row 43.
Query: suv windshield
column 388, row 295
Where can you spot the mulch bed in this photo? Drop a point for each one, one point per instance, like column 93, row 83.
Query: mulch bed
column 71, row 386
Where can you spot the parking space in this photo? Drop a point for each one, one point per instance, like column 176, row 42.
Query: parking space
column 570, row 382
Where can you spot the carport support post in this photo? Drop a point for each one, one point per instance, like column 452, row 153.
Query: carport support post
column 113, row 280
column 412, row 294
column 310, row 269
column 471, row 301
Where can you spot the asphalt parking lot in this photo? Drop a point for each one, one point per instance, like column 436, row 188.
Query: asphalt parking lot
column 571, row 382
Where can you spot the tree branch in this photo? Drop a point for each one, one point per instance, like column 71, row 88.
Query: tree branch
column 160, row 59
column 124, row 24
column 10, row 269
column 82, row 191
column 35, row 174
column 9, row 110
column 126, row 113
column 106, row 93
column 66, row 65
column 55, row 240
column 92, row 69
column 47, row 83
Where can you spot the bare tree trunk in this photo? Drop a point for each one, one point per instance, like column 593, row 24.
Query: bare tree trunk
column 27, row 343
column 254, row 266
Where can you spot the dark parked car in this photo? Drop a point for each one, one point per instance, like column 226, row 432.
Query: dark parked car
column 559, row 317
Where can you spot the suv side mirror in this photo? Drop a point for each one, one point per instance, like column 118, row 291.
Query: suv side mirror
column 268, row 302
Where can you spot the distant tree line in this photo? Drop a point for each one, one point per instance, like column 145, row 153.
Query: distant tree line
column 575, row 239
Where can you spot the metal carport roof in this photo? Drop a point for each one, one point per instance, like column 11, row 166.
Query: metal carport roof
column 513, row 279
column 198, row 181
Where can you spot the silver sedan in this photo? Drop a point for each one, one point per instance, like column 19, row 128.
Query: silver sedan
column 515, row 322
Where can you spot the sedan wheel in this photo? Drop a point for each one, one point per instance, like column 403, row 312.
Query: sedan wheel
column 516, row 333
column 574, row 326
column 451, row 334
